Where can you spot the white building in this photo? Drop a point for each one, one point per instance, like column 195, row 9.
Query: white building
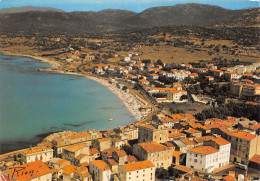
column 139, row 171
column 175, row 95
column 224, row 147
column 100, row 170
column 204, row 158
column 37, row 153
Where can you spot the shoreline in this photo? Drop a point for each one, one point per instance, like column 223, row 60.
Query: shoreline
column 129, row 100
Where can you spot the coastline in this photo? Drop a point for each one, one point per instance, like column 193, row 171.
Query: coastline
column 129, row 100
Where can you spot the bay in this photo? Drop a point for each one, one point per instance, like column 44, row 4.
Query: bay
column 33, row 103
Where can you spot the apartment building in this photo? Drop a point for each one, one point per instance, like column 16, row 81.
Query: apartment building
column 204, row 158
column 152, row 132
column 99, row 170
column 160, row 155
column 138, row 171
column 243, row 146
column 224, row 148
column 37, row 153
column 175, row 96
column 33, row 171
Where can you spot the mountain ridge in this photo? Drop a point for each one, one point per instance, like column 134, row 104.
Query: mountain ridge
column 109, row 20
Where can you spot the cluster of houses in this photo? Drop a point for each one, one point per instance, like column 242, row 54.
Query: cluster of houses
column 243, row 85
column 135, row 151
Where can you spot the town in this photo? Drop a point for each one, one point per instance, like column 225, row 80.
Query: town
column 195, row 121
column 193, row 92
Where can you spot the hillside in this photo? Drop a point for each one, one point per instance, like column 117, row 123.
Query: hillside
column 54, row 22
column 28, row 8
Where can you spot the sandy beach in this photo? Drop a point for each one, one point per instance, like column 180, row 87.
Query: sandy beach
column 130, row 101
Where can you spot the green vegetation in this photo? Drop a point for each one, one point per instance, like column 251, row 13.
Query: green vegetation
column 231, row 109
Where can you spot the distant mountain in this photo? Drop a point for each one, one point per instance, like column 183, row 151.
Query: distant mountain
column 56, row 22
column 28, row 8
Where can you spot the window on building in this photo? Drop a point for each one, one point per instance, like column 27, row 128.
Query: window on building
column 195, row 160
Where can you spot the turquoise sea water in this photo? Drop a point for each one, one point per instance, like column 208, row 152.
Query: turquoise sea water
column 33, row 103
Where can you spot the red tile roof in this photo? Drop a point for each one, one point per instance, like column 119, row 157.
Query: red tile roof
column 243, row 135
column 205, row 150
column 29, row 171
column 255, row 158
column 138, row 166
column 152, row 147
column 100, row 164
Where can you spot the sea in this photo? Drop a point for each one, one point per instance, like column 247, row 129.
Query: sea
column 34, row 104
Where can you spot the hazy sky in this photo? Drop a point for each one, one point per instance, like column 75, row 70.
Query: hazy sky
column 133, row 5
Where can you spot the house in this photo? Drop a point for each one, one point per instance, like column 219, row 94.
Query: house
column 152, row 132
column 89, row 57
column 120, row 156
column 154, row 76
column 73, row 151
column 102, row 143
column 144, row 81
column 203, row 158
column 223, row 146
column 113, row 165
column 175, row 96
column 107, row 153
column 58, row 163
column 178, row 157
column 216, row 72
column 211, row 66
column 126, row 59
column 37, row 153
column 130, row 76
column 177, row 86
column 158, row 154
column 231, row 75
column 99, row 69
column 254, row 162
column 139, row 171
column 36, row 170
column 209, row 78
column 249, row 91
column 193, row 133
column 100, row 170
column 244, row 146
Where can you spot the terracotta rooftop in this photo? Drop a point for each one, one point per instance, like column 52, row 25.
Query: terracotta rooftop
column 243, row 135
column 191, row 131
column 131, row 159
column 121, row 153
column 103, row 139
column 78, row 135
column 36, row 150
column 62, row 161
column 177, row 153
column 93, row 151
column 111, row 162
column 255, row 158
column 203, row 138
column 205, row 150
column 220, row 141
column 151, row 147
column 29, row 171
column 74, row 148
column 138, row 166
column 100, row 164
column 69, row 169
column 109, row 151
column 229, row 178
column 85, row 164
column 182, row 168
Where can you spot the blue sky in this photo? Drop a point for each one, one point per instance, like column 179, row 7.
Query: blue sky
column 133, row 5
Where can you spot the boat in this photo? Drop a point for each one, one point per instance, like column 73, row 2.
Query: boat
column 111, row 120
